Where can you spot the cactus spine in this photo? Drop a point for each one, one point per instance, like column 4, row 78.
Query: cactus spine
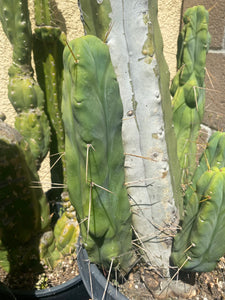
column 92, row 113
column 188, row 88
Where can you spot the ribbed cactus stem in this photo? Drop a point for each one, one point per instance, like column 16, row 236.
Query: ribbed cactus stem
column 213, row 156
column 92, row 114
column 188, row 88
column 200, row 243
column 43, row 13
column 204, row 204
column 49, row 43
column 95, row 17
column 62, row 241
column 24, row 93
column 14, row 16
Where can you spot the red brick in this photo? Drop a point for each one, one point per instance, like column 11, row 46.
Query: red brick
column 215, row 95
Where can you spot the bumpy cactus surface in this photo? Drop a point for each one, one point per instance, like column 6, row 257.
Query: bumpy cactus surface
column 95, row 17
column 37, row 104
column 204, row 209
column 49, row 43
column 213, row 156
column 188, row 88
column 200, row 243
column 92, row 114
column 62, row 240
column 24, row 93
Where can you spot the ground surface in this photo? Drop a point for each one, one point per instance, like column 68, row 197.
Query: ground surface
column 144, row 284
column 141, row 284
column 66, row 270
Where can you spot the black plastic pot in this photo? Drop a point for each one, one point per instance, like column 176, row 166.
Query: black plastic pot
column 94, row 281
column 72, row 289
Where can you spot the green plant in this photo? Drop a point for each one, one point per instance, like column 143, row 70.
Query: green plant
column 152, row 180
column 188, row 87
column 24, row 211
column 94, row 151
column 199, row 244
column 95, row 159
column 36, row 235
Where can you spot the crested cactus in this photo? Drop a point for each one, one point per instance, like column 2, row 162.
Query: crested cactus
column 200, row 243
column 188, row 88
column 92, row 113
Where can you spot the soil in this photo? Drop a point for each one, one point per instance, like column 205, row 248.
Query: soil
column 142, row 283
column 65, row 270
column 145, row 284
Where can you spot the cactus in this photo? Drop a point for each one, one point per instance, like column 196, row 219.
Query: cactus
column 92, row 113
column 213, row 156
column 152, row 172
column 35, row 102
column 200, row 243
column 49, row 43
column 24, row 210
column 95, row 17
column 188, row 88
column 25, row 226
column 198, row 246
column 54, row 245
column 24, row 93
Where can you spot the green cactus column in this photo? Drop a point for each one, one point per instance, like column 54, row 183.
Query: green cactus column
column 24, row 93
column 49, row 43
column 152, row 173
column 188, row 88
column 95, row 17
column 201, row 242
column 92, row 114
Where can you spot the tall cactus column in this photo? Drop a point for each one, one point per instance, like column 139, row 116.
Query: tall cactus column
column 24, row 93
column 151, row 166
column 188, row 87
column 92, row 114
column 49, row 43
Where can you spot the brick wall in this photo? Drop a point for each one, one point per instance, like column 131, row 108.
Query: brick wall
column 215, row 65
